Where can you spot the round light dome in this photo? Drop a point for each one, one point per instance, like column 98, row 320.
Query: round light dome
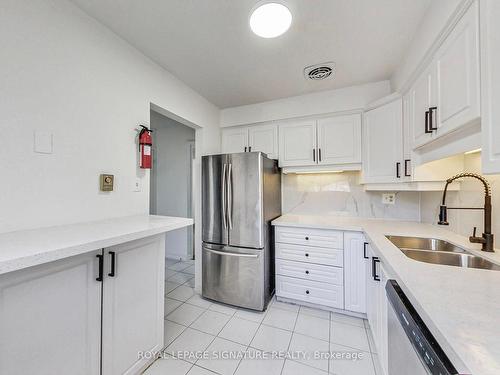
column 270, row 20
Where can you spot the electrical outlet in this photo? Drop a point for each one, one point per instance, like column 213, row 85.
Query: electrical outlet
column 389, row 198
column 137, row 185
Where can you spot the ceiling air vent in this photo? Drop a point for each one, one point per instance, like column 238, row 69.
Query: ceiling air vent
column 319, row 71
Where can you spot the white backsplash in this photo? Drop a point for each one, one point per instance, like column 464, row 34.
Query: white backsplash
column 342, row 194
column 471, row 194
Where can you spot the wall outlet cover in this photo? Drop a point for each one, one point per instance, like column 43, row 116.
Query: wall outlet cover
column 389, row 198
column 43, row 142
column 137, row 186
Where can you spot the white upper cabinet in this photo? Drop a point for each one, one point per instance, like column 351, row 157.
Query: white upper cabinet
column 457, row 78
column 383, row 144
column 420, row 96
column 490, row 85
column 234, row 140
column 264, row 138
column 327, row 141
column 339, row 140
column 297, row 143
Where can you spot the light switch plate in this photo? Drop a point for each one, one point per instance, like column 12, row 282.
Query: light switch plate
column 389, row 198
column 43, row 142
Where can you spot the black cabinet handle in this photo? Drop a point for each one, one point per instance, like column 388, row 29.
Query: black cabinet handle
column 427, row 131
column 113, row 259
column 319, row 154
column 407, row 174
column 307, row 238
column 249, row 148
column 245, row 148
column 307, row 292
column 375, row 260
column 101, row 267
column 364, row 250
column 307, row 254
column 314, row 154
column 431, row 125
column 398, row 169
column 307, row 272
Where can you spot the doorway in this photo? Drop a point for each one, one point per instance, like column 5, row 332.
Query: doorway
column 171, row 183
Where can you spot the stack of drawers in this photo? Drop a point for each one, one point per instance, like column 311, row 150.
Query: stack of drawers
column 309, row 265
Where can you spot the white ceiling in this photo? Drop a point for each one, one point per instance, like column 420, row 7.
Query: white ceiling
column 208, row 43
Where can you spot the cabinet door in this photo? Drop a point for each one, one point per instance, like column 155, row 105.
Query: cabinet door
column 354, row 272
column 234, row 140
column 490, row 85
column 421, row 102
column 457, row 66
column 264, row 138
column 371, row 295
column 339, row 140
column 407, row 169
column 383, row 334
column 132, row 311
column 383, row 145
column 297, row 143
column 50, row 318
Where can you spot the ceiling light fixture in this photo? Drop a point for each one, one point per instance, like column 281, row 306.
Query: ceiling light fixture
column 270, row 19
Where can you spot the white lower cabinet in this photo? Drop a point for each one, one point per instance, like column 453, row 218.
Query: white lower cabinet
column 376, row 305
column 50, row 318
column 354, row 272
column 50, row 315
column 132, row 310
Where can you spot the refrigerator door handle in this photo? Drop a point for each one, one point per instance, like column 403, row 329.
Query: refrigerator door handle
column 242, row 255
column 230, row 196
column 224, row 203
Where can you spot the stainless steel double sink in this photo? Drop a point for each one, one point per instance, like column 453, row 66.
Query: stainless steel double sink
column 431, row 250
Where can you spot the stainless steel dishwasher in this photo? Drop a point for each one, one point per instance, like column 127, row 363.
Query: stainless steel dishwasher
column 412, row 348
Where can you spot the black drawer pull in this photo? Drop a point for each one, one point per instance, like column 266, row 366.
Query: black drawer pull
column 375, row 260
column 364, row 250
column 307, row 292
column 307, row 272
column 307, row 254
column 307, row 238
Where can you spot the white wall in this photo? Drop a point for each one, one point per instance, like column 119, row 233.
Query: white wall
column 433, row 22
column 341, row 194
column 346, row 99
column 470, row 195
column 64, row 73
column 171, row 179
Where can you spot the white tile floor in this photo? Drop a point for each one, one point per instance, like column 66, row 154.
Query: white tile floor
column 194, row 324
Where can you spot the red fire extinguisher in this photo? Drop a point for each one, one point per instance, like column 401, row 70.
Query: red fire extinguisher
column 145, row 145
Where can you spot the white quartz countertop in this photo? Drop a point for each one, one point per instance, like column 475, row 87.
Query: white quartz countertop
column 460, row 306
column 22, row 249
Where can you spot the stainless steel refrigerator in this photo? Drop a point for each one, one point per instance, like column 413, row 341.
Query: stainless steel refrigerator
column 241, row 194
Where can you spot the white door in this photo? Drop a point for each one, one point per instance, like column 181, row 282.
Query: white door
column 234, row 140
column 297, row 143
column 457, row 66
column 490, row 85
column 421, row 103
column 383, row 144
column 339, row 140
column 50, row 318
column 354, row 272
column 264, row 138
column 132, row 311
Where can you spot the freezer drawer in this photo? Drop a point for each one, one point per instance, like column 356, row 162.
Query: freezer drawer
column 310, row 271
column 310, row 254
column 310, row 291
column 234, row 276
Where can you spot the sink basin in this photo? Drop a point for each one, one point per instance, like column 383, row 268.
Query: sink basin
column 431, row 250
